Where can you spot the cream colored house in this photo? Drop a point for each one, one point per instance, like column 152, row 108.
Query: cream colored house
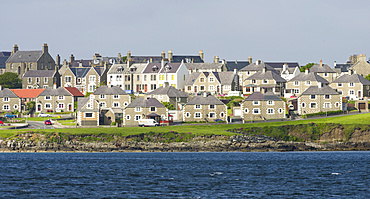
column 9, row 101
column 353, row 86
column 360, row 66
column 264, row 81
column 324, row 71
column 212, row 82
column 88, row 110
column 204, row 109
column 55, row 100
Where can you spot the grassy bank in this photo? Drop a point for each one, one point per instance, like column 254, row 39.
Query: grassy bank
column 196, row 129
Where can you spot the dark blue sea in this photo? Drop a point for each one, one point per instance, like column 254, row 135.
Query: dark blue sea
column 185, row 175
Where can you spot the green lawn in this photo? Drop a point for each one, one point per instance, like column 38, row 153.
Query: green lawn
column 67, row 122
column 40, row 118
column 198, row 129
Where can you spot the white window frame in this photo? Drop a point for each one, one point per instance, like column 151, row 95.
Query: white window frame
column 336, row 104
column 155, row 109
column 6, row 107
column 6, row 99
column 296, row 91
column 351, row 84
column 313, row 103
column 115, row 96
column 46, row 97
column 103, row 104
column 303, row 105
column 214, row 115
column 312, row 95
column 326, row 97
column 308, row 82
column 349, row 92
column 222, row 114
column 138, row 109
column 197, row 113
column 256, row 104
column 340, row 84
column 48, row 107
column 128, row 117
column 92, row 114
column 196, row 106
column 114, row 106
column 211, row 79
column 137, row 117
column 61, row 104
column 102, row 96
column 61, row 97
column 270, row 111
column 45, row 80
column 246, row 110
column 214, row 106
column 68, row 79
column 326, row 74
column 270, row 102
column 296, row 83
column 187, row 114
column 280, row 110
column 265, row 81
column 29, row 80
column 259, row 111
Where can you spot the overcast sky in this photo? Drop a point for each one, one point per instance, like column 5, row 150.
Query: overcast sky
column 276, row 30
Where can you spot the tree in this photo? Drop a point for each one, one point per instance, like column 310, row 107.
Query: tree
column 368, row 77
column 30, row 107
column 169, row 106
column 308, row 66
column 10, row 80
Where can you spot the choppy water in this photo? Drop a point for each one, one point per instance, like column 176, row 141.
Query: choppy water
column 185, row 175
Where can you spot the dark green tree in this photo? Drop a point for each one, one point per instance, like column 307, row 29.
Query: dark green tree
column 309, row 65
column 10, row 80
column 169, row 106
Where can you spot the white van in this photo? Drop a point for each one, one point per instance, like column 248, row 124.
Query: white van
column 148, row 122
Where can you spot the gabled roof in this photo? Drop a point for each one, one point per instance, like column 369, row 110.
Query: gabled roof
column 61, row 91
column 315, row 90
column 74, row 91
column 277, row 65
column 225, row 78
column 205, row 100
column 118, row 69
column 267, row 75
column 342, row 67
column 99, row 70
column 85, row 63
column 39, row 73
column 143, row 102
column 231, row 65
column 355, row 78
column 137, row 68
column 170, row 68
column 169, row 91
column 81, row 101
column 321, row 69
column 28, row 93
column 25, row 56
column 259, row 67
column 187, row 58
column 309, row 77
column 152, row 68
column 198, row 66
column 191, row 78
column 258, row 96
column 80, row 72
column 5, row 54
column 107, row 90
column 6, row 92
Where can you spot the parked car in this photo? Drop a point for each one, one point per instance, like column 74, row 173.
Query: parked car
column 148, row 122
column 47, row 122
column 9, row 115
column 43, row 115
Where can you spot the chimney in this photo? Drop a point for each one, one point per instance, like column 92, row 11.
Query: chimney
column 335, row 63
column 80, row 64
column 223, row 62
column 163, row 55
column 15, row 48
column 45, row 48
column 58, row 60
column 201, row 54
column 166, row 84
column 250, row 59
column 350, row 72
column 128, row 55
column 55, row 86
column 216, row 59
column 65, row 62
column 71, row 58
column 285, row 66
column 170, row 56
column 264, row 69
column 234, row 71
column 319, row 85
column 205, row 94
column 258, row 62
column 151, row 60
column 320, row 62
column 164, row 62
column 306, row 71
column 119, row 56
column 362, row 57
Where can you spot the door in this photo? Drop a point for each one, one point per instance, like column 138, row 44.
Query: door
column 137, row 88
column 195, row 89
column 69, row 107
column 146, row 88
column 359, row 94
column 39, row 107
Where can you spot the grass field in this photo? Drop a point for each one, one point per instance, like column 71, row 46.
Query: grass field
column 67, row 122
column 197, row 129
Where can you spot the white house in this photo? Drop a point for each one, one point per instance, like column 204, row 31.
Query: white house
column 173, row 73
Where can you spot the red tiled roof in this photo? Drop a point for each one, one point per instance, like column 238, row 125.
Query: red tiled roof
column 27, row 93
column 74, row 91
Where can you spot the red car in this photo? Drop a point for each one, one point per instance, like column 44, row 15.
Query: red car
column 48, row 122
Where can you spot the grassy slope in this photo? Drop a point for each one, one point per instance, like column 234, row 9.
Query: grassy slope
column 201, row 129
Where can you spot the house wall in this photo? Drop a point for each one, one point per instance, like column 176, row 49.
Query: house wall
column 302, row 86
column 82, row 120
column 92, row 83
column 330, row 76
column 362, row 68
column 334, row 100
column 54, row 102
column 278, row 107
column 26, row 84
column 13, row 103
column 109, row 100
column 207, row 84
column 346, row 89
column 68, row 73
column 130, row 113
column 190, row 111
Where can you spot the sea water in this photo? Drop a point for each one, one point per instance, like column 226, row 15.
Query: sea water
column 185, row 175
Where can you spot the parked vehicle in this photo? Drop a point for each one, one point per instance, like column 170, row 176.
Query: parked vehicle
column 9, row 115
column 148, row 122
column 48, row 122
column 43, row 115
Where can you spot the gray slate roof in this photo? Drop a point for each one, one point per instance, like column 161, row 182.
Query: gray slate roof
column 169, row 91
column 145, row 102
column 3, row 57
column 267, row 75
column 191, row 78
column 225, row 78
column 99, row 70
column 205, row 100
column 85, row 63
column 187, row 58
column 107, row 90
column 170, row 68
column 231, row 65
column 309, row 77
column 145, row 59
column 138, row 68
column 6, row 92
column 80, row 72
column 39, row 73
column 81, row 102
column 55, row 92
column 117, row 69
column 277, row 65
column 258, row 96
column 321, row 69
column 355, row 78
column 315, row 90
column 259, row 67
column 153, row 68
column 203, row 66
column 25, row 56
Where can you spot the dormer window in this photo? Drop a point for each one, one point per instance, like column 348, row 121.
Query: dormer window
column 340, row 84
column 154, row 68
column 326, row 74
column 253, row 81
column 265, row 81
column 296, row 83
column 351, row 84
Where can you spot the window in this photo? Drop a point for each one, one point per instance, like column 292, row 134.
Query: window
column 256, row 102
column 308, row 82
column 29, row 80
column 47, row 98
column 270, row 102
column 270, row 111
column 351, row 92
column 153, row 109
column 256, row 111
column 212, row 115
column 340, row 92
column 92, row 88
column 313, row 105
column 197, row 106
column 326, row 96
column 296, row 91
column 138, row 77
column 280, row 110
column 222, row 114
column 46, row 86
column 68, row 79
column 189, row 88
column 197, row 115
column 202, row 88
column 137, row 109
column 144, row 77
column 337, row 104
column 184, row 77
column 201, row 79
column 125, row 104
column 246, row 110
column 115, row 96
column 61, row 97
column 103, row 104
column 153, row 77
column 15, row 106
column 211, row 79
column 340, row 84
column 102, row 96
column 173, row 77
column 115, row 104
column 187, row 114
column 128, row 117
column 212, row 106
column 326, row 74
column 253, row 81
column 61, row 106
column 296, row 83
column 47, row 105
column 211, row 88
column 92, row 78
column 6, row 107
column 88, row 115
column 137, row 117
column 45, row 80
column 312, row 96
column 303, row 104
column 351, row 84
column 153, row 86
column 327, row 105
column 6, row 99
column 37, row 80
column 265, row 81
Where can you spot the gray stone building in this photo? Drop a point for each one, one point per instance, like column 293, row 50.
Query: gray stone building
column 9, row 101
column 204, row 109
column 167, row 93
column 324, row 71
column 55, row 100
column 40, row 79
column 264, row 81
column 360, row 65
column 353, row 86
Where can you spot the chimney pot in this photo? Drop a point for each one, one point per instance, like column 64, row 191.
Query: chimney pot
column 306, row 71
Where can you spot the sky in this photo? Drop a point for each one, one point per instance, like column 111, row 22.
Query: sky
column 276, row 30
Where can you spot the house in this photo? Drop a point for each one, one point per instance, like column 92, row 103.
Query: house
column 75, row 93
column 205, row 67
column 27, row 95
column 55, row 100
column 287, row 70
column 144, row 108
column 40, row 79
column 266, row 81
column 3, row 57
column 204, row 109
column 324, row 71
column 85, row 79
column 88, row 110
column 20, row 62
column 263, row 106
column 353, row 86
column 149, row 77
column 361, row 66
column 112, row 97
column 115, row 75
column 341, row 69
column 171, row 58
column 212, row 82
column 9, row 101
column 319, row 99
column 303, row 81
column 133, row 78
column 251, row 69
column 167, row 93
column 173, row 73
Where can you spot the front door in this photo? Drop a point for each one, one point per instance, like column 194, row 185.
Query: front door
column 69, row 107
column 39, row 107
column 146, row 88
column 359, row 94
column 195, row 89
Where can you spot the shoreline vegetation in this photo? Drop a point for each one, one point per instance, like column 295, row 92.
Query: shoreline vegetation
column 323, row 134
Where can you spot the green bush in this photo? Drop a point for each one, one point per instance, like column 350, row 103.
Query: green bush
column 323, row 113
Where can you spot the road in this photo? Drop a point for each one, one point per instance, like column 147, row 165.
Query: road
column 39, row 125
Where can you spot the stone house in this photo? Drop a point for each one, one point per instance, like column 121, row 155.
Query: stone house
column 212, row 82
column 27, row 95
column 264, row 81
column 204, row 109
column 55, row 100
column 287, row 70
column 9, row 101
column 360, row 65
column 353, row 86
column 302, row 82
column 251, row 69
column 319, row 99
column 206, row 67
column 144, row 108
column 85, row 79
column 167, row 93
column 324, row 71
column 40, row 79
column 263, row 106
column 20, row 62
column 88, row 110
